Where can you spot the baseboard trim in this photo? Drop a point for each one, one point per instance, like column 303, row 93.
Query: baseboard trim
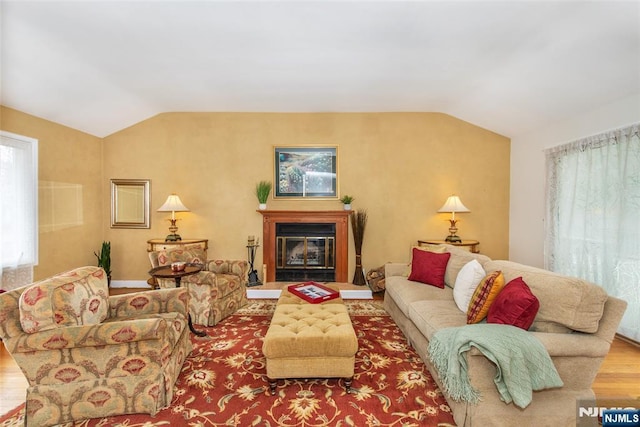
column 129, row 284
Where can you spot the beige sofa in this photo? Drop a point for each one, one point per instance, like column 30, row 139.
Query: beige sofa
column 576, row 323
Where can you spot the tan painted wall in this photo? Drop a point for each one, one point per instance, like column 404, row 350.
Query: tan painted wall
column 399, row 166
column 70, row 191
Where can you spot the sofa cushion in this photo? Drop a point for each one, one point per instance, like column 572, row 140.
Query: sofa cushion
column 76, row 297
column 484, row 295
column 430, row 316
column 405, row 292
column 438, row 249
column 467, row 281
column 459, row 258
column 565, row 302
column 515, row 305
column 428, row 267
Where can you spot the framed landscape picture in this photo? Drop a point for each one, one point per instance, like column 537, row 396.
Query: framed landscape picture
column 306, row 172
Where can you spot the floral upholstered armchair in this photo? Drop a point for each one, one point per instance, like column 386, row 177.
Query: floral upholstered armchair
column 215, row 292
column 87, row 355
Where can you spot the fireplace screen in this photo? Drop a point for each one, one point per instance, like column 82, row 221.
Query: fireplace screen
column 306, row 252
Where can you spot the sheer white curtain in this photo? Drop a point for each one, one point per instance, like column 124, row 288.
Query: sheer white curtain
column 593, row 215
column 18, row 209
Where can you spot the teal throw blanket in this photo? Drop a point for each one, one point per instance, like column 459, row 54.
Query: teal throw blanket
column 522, row 362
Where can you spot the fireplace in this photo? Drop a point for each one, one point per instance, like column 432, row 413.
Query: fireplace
column 305, row 251
column 305, row 245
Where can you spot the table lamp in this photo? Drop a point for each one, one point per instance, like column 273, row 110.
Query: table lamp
column 173, row 205
column 453, row 205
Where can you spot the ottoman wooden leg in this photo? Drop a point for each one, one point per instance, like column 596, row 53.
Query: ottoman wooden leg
column 347, row 384
column 272, row 385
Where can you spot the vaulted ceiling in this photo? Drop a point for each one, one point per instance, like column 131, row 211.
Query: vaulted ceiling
column 511, row 67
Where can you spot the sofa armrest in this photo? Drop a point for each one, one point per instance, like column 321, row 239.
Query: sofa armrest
column 614, row 309
column 396, row 269
column 173, row 300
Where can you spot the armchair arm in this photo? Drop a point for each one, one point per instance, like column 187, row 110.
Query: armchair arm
column 238, row 267
column 110, row 333
column 173, row 300
column 10, row 314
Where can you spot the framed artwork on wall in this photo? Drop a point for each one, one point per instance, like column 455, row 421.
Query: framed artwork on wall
column 306, row 172
column 130, row 203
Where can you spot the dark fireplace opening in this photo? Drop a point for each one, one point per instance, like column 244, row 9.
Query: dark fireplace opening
column 305, row 251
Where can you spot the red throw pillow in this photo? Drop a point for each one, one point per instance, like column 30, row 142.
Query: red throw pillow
column 515, row 305
column 429, row 267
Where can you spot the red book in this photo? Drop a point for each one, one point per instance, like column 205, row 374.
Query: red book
column 313, row 292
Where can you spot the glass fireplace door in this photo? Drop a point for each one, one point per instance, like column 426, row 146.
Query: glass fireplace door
column 305, row 253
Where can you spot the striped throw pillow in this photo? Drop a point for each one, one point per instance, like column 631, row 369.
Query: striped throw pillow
column 484, row 295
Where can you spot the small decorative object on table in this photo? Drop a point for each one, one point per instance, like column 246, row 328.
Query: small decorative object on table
column 178, row 266
column 252, row 245
column 313, row 292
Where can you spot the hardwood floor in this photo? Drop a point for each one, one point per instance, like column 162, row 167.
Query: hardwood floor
column 619, row 375
column 13, row 384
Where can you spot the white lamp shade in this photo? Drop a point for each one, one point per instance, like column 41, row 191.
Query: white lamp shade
column 173, row 204
column 453, row 204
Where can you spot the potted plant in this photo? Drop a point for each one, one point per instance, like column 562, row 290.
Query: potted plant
column 263, row 188
column 346, row 201
column 104, row 259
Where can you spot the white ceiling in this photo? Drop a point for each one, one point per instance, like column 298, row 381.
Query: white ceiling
column 511, row 67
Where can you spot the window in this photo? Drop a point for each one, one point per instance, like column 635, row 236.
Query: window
column 593, row 211
column 18, row 202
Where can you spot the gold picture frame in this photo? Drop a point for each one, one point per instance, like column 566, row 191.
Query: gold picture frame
column 130, row 203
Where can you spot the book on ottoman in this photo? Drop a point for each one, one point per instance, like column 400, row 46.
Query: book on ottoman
column 313, row 292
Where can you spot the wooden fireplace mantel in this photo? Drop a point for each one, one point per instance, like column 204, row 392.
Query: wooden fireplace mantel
column 339, row 218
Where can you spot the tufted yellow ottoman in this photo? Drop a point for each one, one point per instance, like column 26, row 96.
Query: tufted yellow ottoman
column 310, row 341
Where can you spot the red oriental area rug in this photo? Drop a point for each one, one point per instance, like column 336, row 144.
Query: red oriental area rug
column 223, row 382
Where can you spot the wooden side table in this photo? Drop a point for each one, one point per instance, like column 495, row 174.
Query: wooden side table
column 162, row 245
column 165, row 272
column 470, row 245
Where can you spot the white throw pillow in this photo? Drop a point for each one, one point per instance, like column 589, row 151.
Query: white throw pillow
column 467, row 281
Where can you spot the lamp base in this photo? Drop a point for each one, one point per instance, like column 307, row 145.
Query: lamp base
column 173, row 229
column 453, row 237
